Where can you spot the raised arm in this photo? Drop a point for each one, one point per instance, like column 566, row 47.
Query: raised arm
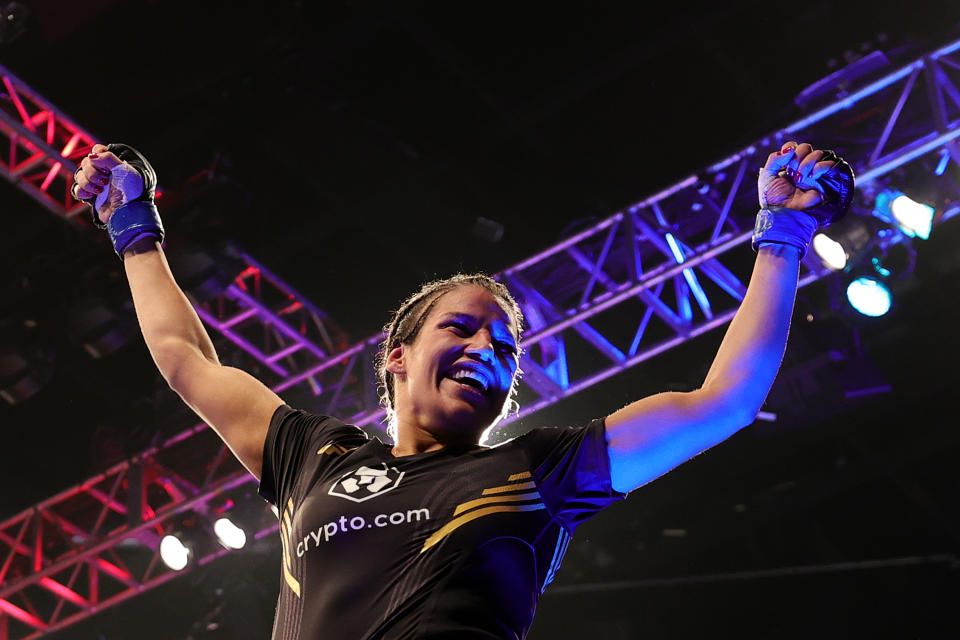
column 651, row 436
column 235, row 404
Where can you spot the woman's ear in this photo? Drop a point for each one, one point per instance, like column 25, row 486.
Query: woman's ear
column 395, row 361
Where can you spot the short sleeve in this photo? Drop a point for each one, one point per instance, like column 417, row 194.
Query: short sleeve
column 571, row 467
column 293, row 440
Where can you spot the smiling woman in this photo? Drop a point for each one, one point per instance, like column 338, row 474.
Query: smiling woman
column 485, row 528
column 492, row 523
column 409, row 320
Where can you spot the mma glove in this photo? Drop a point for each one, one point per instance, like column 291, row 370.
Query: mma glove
column 134, row 182
column 781, row 225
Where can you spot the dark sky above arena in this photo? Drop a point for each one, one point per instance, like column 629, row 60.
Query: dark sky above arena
column 351, row 146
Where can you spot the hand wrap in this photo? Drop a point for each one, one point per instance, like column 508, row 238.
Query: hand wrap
column 133, row 183
column 780, row 225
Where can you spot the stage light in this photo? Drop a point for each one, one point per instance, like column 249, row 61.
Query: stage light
column 844, row 242
column 174, row 553
column 230, row 535
column 914, row 218
column 830, row 251
column 869, row 296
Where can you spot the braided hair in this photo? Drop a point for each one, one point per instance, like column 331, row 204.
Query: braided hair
column 407, row 321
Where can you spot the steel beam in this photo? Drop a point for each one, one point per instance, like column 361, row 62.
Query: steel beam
column 43, row 146
column 675, row 262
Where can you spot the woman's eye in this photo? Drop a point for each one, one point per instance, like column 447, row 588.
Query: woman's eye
column 458, row 326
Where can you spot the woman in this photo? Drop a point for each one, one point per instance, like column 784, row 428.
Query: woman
column 438, row 536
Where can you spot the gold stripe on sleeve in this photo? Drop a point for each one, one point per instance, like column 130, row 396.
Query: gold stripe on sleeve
column 519, row 476
column 333, row 449
column 509, row 487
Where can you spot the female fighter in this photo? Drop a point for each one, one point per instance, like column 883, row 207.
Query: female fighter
column 436, row 536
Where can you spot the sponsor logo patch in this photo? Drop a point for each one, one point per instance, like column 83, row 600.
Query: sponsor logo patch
column 366, row 482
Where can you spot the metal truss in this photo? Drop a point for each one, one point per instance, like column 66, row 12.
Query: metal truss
column 647, row 279
column 269, row 321
column 258, row 313
column 42, row 146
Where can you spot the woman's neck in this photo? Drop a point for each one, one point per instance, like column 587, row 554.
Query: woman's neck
column 413, row 439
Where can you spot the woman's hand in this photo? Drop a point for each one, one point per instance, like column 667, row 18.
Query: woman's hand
column 93, row 178
column 788, row 179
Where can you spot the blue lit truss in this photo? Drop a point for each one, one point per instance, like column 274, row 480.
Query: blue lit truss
column 675, row 262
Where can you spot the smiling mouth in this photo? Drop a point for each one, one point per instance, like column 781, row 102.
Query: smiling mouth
column 470, row 388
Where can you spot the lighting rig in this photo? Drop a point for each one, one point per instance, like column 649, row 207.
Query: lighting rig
column 676, row 261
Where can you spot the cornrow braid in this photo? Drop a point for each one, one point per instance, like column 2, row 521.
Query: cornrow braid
column 407, row 321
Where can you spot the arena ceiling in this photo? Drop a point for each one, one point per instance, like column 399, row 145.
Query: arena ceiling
column 352, row 147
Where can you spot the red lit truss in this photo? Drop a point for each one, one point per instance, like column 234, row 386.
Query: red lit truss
column 676, row 261
column 41, row 146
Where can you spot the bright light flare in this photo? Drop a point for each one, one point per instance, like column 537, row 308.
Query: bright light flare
column 830, row 251
column 173, row 553
column 915, row 218
column 869, row 296
column 230, row 535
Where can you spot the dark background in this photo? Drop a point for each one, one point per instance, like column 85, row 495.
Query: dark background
column 351, row 146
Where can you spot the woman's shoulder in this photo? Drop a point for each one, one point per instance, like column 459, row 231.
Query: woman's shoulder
column 315, row 424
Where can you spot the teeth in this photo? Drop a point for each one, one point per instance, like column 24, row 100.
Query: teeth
column 460, row 374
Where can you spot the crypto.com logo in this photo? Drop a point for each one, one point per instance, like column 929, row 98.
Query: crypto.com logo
column 366, row 483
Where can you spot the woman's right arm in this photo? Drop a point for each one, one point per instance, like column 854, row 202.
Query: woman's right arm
column 238, row 406
column 235, row 404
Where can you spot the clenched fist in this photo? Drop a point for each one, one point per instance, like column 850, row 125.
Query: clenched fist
column 801, row 190
column 119, row 184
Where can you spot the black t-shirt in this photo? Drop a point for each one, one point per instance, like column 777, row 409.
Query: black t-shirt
column 445, row 544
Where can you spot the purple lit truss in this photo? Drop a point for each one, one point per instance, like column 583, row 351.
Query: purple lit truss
column 675, row 264
column 267, row 319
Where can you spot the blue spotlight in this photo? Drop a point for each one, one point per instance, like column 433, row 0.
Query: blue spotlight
column 869, row 296
column 915, row 219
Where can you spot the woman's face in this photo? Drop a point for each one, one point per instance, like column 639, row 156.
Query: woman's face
column 455, row 377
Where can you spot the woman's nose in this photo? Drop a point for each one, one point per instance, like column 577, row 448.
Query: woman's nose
column 481, row 345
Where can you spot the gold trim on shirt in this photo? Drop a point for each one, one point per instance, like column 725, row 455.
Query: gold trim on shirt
column 333, row 449
column 287, row 564
column 510, row 487
column 527, row 492
column 466, row 506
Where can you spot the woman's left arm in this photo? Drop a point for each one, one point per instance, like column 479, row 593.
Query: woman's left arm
column 800, row 189
column 651, row 436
